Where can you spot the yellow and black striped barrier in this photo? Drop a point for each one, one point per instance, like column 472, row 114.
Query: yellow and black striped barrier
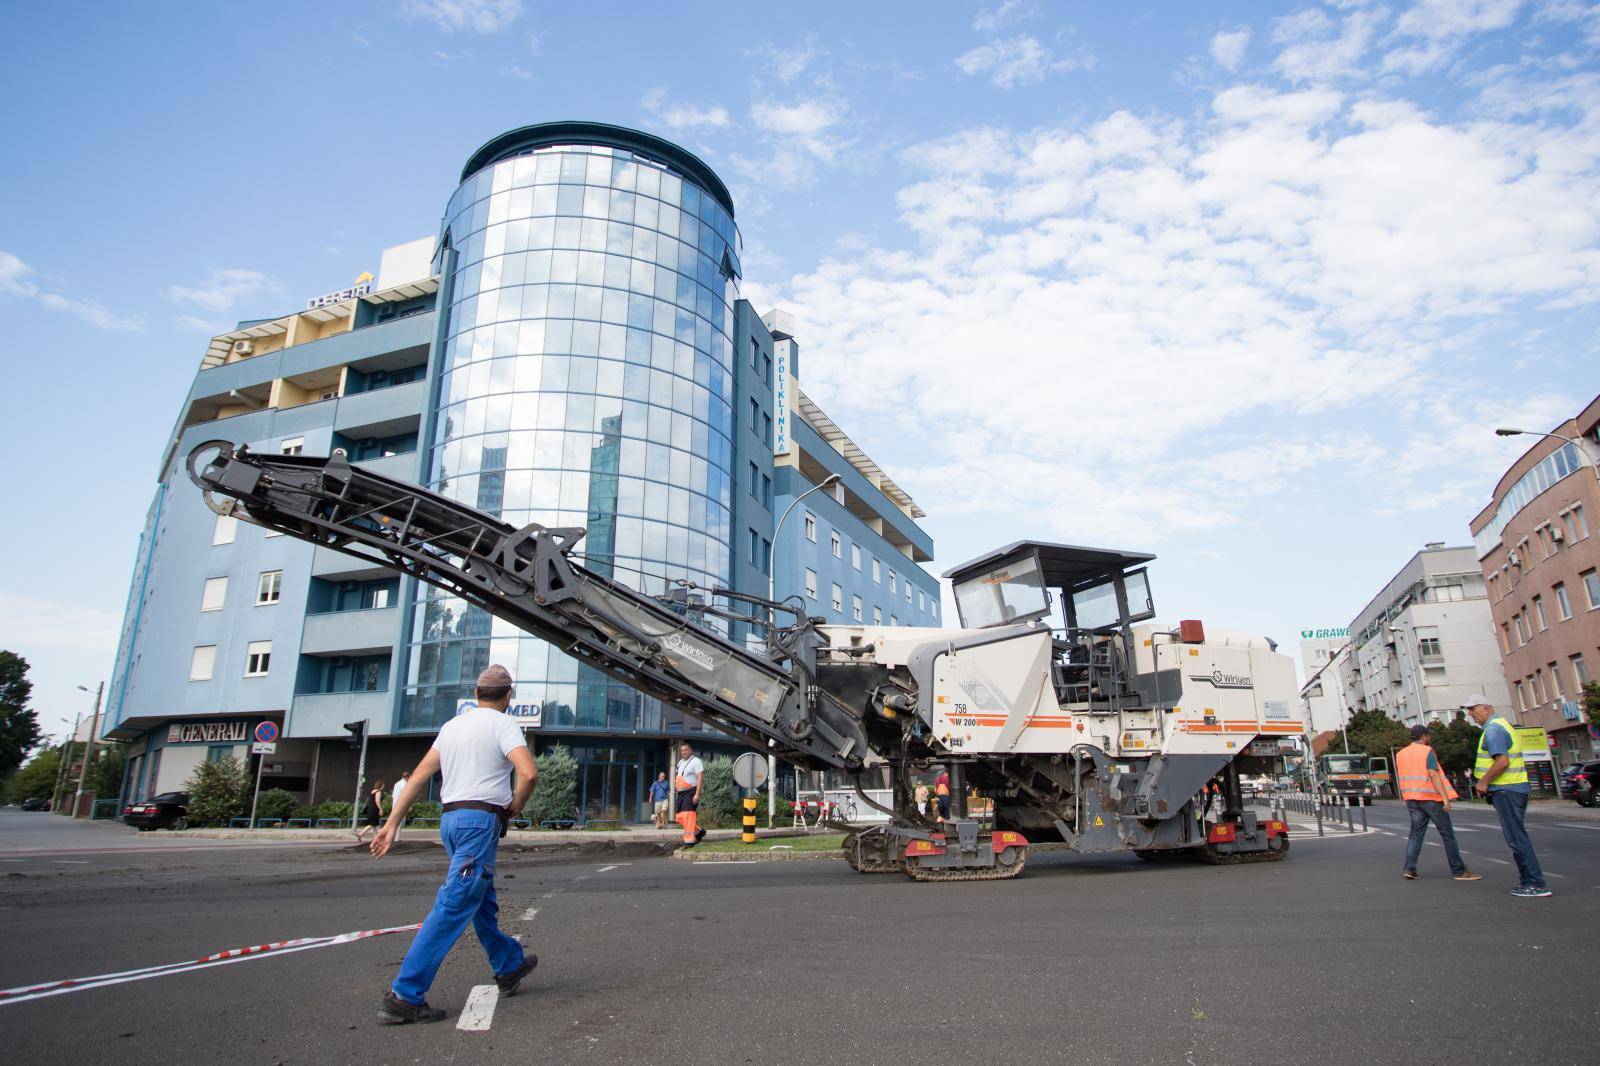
column 749, row 834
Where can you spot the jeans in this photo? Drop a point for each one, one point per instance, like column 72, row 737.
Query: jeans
column 471, row 839
column 1512, row 807
column 1422, row 812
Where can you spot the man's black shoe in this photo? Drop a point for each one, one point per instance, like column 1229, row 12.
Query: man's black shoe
column 396, row 1011
column 508, row 982
column 699, row 835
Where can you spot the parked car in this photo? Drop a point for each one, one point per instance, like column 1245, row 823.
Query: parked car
column 1582, row 783
column 169, row 810
column 36, row 803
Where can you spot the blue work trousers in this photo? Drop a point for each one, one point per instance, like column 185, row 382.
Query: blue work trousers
column 1512, row 807
column 1422, row 812
column 471, row 839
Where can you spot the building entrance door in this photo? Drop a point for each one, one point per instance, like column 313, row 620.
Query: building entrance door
column 609, row 783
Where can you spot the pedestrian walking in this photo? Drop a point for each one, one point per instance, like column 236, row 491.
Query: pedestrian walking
column 1427, row 794
column 922, row 798
column 660, row 800
column 371, row 811
column 477, row 751
column 691, row 772
column 1503, row 778
column 399, row 790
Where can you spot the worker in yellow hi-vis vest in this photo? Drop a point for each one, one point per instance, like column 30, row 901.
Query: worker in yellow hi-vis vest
column 1503, row 778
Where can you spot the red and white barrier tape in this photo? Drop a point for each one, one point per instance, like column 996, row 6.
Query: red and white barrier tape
column 221, row 958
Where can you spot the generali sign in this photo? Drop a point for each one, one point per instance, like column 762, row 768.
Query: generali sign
column 208, row 732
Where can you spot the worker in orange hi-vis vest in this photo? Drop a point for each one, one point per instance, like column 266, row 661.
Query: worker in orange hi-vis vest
column 691, row 772
column 1427, row 794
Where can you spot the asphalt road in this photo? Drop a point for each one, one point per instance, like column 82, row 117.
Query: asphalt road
column 1326, row 957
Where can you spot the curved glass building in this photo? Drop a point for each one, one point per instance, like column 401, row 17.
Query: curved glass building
column 586, row 379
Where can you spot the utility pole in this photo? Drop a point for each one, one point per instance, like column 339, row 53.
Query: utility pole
column 66, row 760
column 88, row 750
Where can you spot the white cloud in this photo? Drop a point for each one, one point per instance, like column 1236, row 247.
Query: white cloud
column 16, row 280
column 788, row 62
column 477, row 16
column 1005, row 13
column 1099, row 325
column 223, row 289
column 799, row 136
column 1437, row 28
column 518, row 71
column 1229, row 46
column 1020, row 60
column 1317, row 48
column 681, row 116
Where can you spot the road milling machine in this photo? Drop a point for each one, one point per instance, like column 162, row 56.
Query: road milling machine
column 1057, row 706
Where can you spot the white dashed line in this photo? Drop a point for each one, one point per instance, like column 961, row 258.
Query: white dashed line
column 478, row 1014
column 605, row 869
column 1574, row 825
column 1547, row 873
column 529, row 914
column 1502, row 862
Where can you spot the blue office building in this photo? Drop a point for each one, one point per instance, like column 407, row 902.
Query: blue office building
column 570, row 349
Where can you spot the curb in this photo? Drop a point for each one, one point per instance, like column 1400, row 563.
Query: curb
column 755, row 856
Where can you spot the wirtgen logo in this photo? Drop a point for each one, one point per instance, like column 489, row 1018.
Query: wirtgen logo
column 1219, row 679
column 675, row 643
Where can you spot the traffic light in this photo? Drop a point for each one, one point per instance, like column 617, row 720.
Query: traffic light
column 356, row 731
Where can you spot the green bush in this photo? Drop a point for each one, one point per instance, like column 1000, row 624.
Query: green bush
column 219, row 792
column 275, row 803
column 304, row 810
column 424, row 809
column 555, row 796
column 719, row 796
column 37, row 777
column 334, row 809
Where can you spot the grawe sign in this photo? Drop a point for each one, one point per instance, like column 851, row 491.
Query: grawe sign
column 208, row 732
column 1332, row 633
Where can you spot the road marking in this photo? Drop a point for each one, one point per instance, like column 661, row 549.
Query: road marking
column 1574, row 825
column 221, row 958
column 1502, row 862
column 72, row 862
column 529, row 914
column 613, row 866
column 1547, row 873
column 478, row 1014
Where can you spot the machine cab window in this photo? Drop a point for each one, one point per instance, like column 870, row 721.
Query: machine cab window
column 1003, row 595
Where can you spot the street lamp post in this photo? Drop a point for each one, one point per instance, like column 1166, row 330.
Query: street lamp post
column 66, row 760
column 772, row 594
column 88, row 748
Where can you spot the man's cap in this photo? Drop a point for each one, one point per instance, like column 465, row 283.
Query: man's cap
column 1477, row 699
column 1418, row 732
column 494, row 676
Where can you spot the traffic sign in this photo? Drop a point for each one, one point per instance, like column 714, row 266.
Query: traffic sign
column 259, row 748
column 266, row 732
column 750, row 770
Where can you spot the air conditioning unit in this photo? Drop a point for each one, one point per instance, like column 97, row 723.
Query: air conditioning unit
column 1556, row 535
column 243, row 347
column 329, row 395
column 1513, row 560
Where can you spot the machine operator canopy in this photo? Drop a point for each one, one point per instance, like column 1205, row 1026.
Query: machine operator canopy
column 1101, row 589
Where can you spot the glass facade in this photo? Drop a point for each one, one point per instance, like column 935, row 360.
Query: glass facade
column 586, row 379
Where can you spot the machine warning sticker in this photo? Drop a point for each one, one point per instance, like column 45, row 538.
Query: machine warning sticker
column 1275, row 709
column 1099, row 822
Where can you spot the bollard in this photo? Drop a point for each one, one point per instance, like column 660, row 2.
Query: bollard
column 1363, row 817
column 749, row 834
column 1318, row 811
column 1349, row 816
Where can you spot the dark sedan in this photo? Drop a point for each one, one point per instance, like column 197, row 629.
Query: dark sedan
column 170, row 810
column 36, row 803
column 1582, row 783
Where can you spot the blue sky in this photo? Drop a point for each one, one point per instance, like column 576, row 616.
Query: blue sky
column 1244, row 285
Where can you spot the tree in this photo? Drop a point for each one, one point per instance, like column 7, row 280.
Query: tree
column 1591, row 703
column 1456, row 744
column 19, row 723
column 1374, row 733
column 37, row 777
column 105, row 775
column 219, row 791
column 555, row 797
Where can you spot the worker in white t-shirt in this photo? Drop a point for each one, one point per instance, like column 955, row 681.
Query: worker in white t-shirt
column 399, row 790
column 476, row 751
column 691, row 771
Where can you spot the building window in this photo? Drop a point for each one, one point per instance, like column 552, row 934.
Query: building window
column 258, row 658
column 933, row 609
column 891, row 582
column 1522, row 700
column 811, row 583
column 1577, row 525
column 766, row 430
column 1563, row 604
column 225, row 528
column 755, row 416
column 1428, row 645
column 876, row 572
column 855, row 607
column 1447, row 594
column 838, row 598
column 214, row 594
column 766, row 368
column 855, row 556
column 218, row 752
column 1580, row 670
column 877, row 616
column 1522, row 637
column 755, row 351
column 811, row 527
column 1538, row 612
column 1505, row 636
column 1555, row 683
column 1538, row 684
column 766, row 491
column 766, row 556
column 894, row 620
column 202, row 662
column 1591, row 586
column 755, row 547
column 836, row 543
column 753, row 480
column 292, row 446
column 268, row 587
column 908, row 591
column 922, row 600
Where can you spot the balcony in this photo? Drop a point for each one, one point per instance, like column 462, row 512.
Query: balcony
column 381, row 412
column 350, row 632
column 323, row 714
column 337, row 566
column 402, row 467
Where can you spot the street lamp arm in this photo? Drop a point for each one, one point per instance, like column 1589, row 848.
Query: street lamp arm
column 1594, row 464
column 772, row 552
